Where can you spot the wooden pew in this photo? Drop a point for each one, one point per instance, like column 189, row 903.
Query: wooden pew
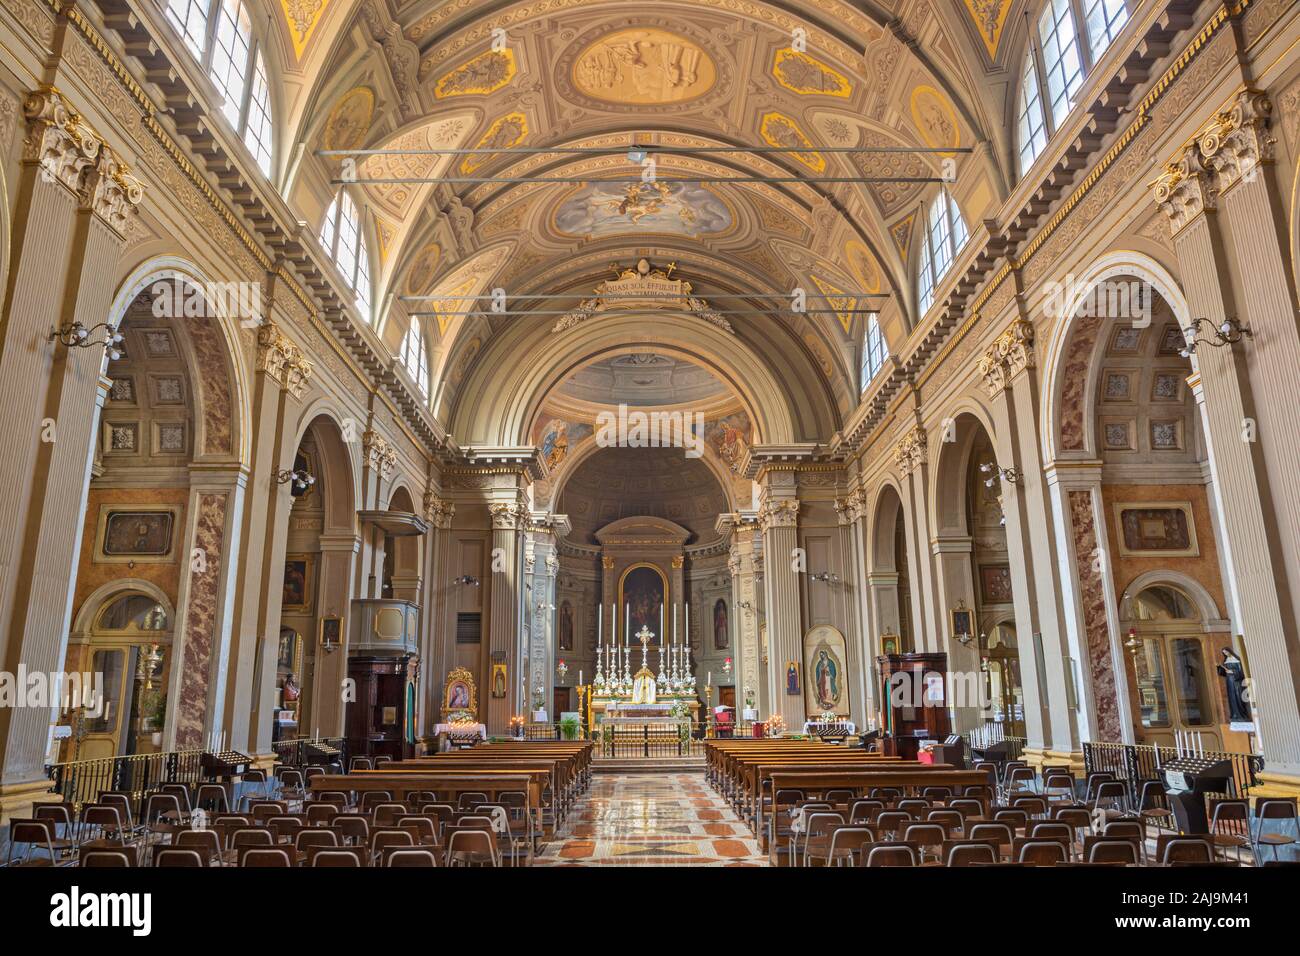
column 908, row 778
column 401, row 783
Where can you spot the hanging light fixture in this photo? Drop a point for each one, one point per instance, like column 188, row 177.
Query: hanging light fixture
column 301, row 478
column 1229, row 332
column 77, row 336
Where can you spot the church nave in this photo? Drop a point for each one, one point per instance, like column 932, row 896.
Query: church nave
column 652, row 819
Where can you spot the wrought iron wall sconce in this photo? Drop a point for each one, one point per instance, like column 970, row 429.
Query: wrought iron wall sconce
column 302, row 480
column 1229, row 332
column 995, row 471
column 77, row 336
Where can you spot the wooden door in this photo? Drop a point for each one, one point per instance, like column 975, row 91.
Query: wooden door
column 727, row 696
column 562, row 702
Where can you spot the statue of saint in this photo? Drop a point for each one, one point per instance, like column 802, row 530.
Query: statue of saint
column 1234, row 682
column 643, row 687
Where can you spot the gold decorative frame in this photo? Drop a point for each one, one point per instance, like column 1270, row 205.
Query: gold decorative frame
column 459, row 675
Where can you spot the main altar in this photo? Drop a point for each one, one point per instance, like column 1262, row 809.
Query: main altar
column 620, row 697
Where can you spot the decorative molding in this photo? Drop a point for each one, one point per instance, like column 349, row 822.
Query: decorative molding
column 507, row 515
column 642, row 288
column 282, row 360
column 1011, row 353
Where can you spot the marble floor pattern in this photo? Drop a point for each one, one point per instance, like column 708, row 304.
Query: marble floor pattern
column 652, row 819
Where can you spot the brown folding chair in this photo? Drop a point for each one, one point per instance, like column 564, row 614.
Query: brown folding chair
column 969, row 853
column 891, row 854
column 1101, row 849
column 349, row 857
column 106, row 859
column 174, row 856
column 411, row 856
column 1230, row 827
column 1041, row 852
column 471, row 847
column 1180, row 849
column 1279, row 809
column 276, row 857
column 34, row 835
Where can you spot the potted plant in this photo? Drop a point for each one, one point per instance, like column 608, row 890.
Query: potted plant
column 569, row 728
column 682, row 711
column 153, row 711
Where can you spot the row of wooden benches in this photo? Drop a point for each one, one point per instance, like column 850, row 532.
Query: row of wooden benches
column 749, row 773
column 551, row 773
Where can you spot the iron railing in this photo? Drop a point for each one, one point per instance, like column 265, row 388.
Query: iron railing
column 82, row 781
column 646, row 740
column 1136, row 764
column 296, row 752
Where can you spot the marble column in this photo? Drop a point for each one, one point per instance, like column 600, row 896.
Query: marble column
column 544, row 531
column 509, row 518
column 778, row 520
column 1233, row 265
column 750, row 665
column 912, row 458
column 1009, row 370
column 72, row 202
column 438, row 640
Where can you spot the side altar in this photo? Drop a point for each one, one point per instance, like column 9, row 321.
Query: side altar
column 622, row 697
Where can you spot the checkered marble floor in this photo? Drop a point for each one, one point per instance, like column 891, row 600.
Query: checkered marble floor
column 652, row 819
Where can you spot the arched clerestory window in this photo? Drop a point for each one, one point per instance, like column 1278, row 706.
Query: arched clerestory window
column 874, row 351
column 943, row 234
column 220, row 35
column 1065, row 43
column 415, row 356
column 341, row 235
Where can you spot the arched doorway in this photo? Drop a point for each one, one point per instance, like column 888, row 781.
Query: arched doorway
column 891, row 590
column 125, row 636
column 1172, row 659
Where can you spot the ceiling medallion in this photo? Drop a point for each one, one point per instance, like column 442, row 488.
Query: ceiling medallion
column 643, row 287
column 643, row 66
column 486, row 73
column 800, row 73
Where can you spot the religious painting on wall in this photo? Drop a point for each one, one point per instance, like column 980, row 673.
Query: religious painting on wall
column 792, row 679
column 459, row 693
column 642, row 599
column 138, row 533
column 827, row 689
column 566, row 626
column 995, row 584
column 288, row 649
column 331, row 632
column 296, row 592
column 890, row 643
column 720, row 629
column 963, row 621
column 1157, row 529
column 498, row 680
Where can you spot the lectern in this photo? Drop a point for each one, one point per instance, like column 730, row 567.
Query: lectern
column 913, row 689
column 1187, row 781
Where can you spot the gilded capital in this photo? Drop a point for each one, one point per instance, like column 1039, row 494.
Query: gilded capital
column 379, row 453
column 778, row 513
column 58, row 140
column 1183, row 190
column 438, row 511
column 910, row 451
column 1237, row 141
column 282, row 361
column 1011, row 353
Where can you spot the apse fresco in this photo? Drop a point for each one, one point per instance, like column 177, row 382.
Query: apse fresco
column 729, row 437
column 606, row 209
column 556, row 436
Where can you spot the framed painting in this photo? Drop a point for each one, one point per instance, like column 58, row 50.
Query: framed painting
column 995, row 583
column 824, row 656
column 890, row 643
column 792, row 686
column 459, row 693
column 1152, row 529
column 331, row 632
column 498, row 680
column 140, row 536
column 296, row 594
column 963, row 621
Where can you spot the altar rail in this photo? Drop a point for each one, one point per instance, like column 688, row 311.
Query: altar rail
column 645, row 740
column 1135, row 764
column 78, row 782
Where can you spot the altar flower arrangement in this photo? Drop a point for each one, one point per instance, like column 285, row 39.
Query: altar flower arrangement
column 828, row 717
column 460, row 717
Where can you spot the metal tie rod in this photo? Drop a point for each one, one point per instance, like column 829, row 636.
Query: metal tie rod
column 638, row 147
column 714, row 180
column 639, row 297
column 522, row 312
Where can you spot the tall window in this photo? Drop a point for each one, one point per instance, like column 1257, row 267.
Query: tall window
column 341, row 236
column 220, row 35
column 945, row 233
column 1072, row 36
column 415, row 356
column 874, row 351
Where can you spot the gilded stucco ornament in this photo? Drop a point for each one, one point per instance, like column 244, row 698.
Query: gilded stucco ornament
column 282, row 360
column 911, row 450
column 1010, row 354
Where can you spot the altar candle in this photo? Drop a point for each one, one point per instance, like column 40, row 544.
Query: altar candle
column 627, row 624
column 579, row 677
column 687, row 636
column 600, row 622
column 674, row 622
column 661, row 622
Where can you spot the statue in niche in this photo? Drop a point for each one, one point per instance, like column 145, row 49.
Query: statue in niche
column 1234, row 683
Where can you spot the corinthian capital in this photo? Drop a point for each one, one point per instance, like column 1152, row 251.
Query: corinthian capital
column 380, row 454
column 1184, row 191
column 111, row 192
column 911, row 450
column 778, row 513
column 1010, row 354
column 506, row 515
column 283, row 361
column 1237, row 141
column 438, row 511
column 58, row 140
